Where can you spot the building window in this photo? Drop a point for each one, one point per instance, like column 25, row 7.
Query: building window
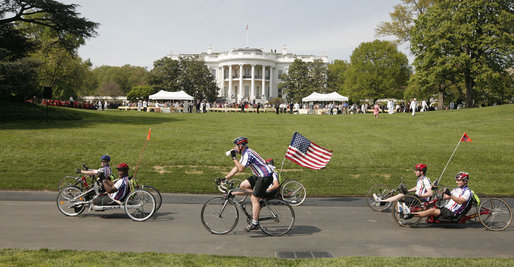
column 225, row 91
column 247, row 91
column 259, row 74
column 225, row 74
column 267, row 74
column 279, row 73
column 247, row 73
column 258, row 92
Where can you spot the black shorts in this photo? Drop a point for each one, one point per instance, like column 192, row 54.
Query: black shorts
column 446, row 214
column 260, row 184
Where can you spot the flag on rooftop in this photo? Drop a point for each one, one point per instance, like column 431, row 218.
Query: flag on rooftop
column 307, row 154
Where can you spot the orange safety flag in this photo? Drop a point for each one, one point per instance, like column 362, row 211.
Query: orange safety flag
column 465, row 138
column 149, row 132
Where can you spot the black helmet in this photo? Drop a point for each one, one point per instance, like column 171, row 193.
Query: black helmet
column 241, row 141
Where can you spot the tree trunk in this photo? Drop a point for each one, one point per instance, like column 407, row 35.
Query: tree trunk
column 440, row 101
column 470, row 98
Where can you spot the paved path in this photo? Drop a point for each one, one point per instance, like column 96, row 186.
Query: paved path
column 340, row 226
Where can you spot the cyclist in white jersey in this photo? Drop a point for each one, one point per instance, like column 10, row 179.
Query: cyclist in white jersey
column 258, row 183
column 458, row 199
column 423, row 188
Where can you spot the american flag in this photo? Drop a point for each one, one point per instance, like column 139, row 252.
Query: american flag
column 307, row 154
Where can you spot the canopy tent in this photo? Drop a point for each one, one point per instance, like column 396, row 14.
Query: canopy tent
column 334, row 96
column 165, row 95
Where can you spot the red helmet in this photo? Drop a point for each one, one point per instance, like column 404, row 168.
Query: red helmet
column 462, row 176
column 421, row 167
column 270, row 162
column 122, row 166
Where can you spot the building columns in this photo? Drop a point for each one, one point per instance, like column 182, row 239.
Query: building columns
column 252, row 87
column 264, row 82
column 230, row 91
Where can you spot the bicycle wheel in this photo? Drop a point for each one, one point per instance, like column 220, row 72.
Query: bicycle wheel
column 414, row 204
column 67, row 200
column 156, row 194
column 237, row 183
column 381, row 191
column 293, row 192
column 140, row 205
column 276, row 217
column 219, row 215
column 70, row 181
column 495, row 214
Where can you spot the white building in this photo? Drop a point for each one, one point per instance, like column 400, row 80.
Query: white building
column 249, row 74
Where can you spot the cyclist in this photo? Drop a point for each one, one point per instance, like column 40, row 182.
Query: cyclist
column 458, row 199
column 423, row 188
column 116, row 191
column 258, row 183
column 104, row 172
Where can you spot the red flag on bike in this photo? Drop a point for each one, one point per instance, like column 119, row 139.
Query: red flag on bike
column 307, row 154
column 148, row 137
column 465, row 138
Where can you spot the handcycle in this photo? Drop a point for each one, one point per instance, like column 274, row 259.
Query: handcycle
column 291, row 191
column 139, row 204
column 220, row 215
column 384, row 192
column 81, row 183
column 494, row 214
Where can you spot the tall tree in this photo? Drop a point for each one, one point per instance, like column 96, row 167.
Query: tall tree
column 377, row 70
column 295, row 84
column 196, row 79
column 402, row 19
column 165, row 74
column 336, row 75
column 318, row 75
column 125, row 78
column 466, row 42
column 18, row 19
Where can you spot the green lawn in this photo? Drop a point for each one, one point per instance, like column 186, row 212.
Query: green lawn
column 44, row 257
column 186, row 151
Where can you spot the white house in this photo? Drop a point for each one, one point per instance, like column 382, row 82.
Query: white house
column 249, row 74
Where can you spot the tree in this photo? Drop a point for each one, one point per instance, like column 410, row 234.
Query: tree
column 188, row 73
column 141, row 92
column 196, row 79
column 403, row 18
column 21, row 24
column 336, row 75
column 377, row 70
column 466, row 43
column 318, row 75
column 165, row 74
column 125, row 77
column 295, row 84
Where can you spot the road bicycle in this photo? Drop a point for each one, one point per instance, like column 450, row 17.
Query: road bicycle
column 139, row 204
column 220, row 215
column 82, row 183
column 291, row 191
column 494, row 214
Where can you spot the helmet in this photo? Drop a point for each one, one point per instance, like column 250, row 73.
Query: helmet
column 241, row 141
column 270, row 162
column 106, row 158
column 421, row 167
column 462, row 176
column 122, row 166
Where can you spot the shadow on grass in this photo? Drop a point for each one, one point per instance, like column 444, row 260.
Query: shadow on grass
column 84, row 118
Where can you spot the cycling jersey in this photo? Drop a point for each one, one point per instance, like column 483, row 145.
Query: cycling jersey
column 122, row 185
column 422, row 185
column 459, row 192
column 104, row 172
column 256, row 163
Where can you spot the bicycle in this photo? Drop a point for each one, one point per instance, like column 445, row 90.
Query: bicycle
column 139, row 205
column 384, row 192
column 291, row 191
column 220, row 215
column 494, row 214
column 81, row 183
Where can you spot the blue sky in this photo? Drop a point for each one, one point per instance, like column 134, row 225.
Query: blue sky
column 140, row 32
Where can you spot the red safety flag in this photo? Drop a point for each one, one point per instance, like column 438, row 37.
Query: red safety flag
column 465, row 138
column 149, row 132
column 307, row 154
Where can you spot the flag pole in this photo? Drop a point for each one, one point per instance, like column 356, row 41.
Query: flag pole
column 140, row 155
column 460, row 140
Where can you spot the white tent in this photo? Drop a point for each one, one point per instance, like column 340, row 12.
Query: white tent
column 315, row 97
column 165, row 95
